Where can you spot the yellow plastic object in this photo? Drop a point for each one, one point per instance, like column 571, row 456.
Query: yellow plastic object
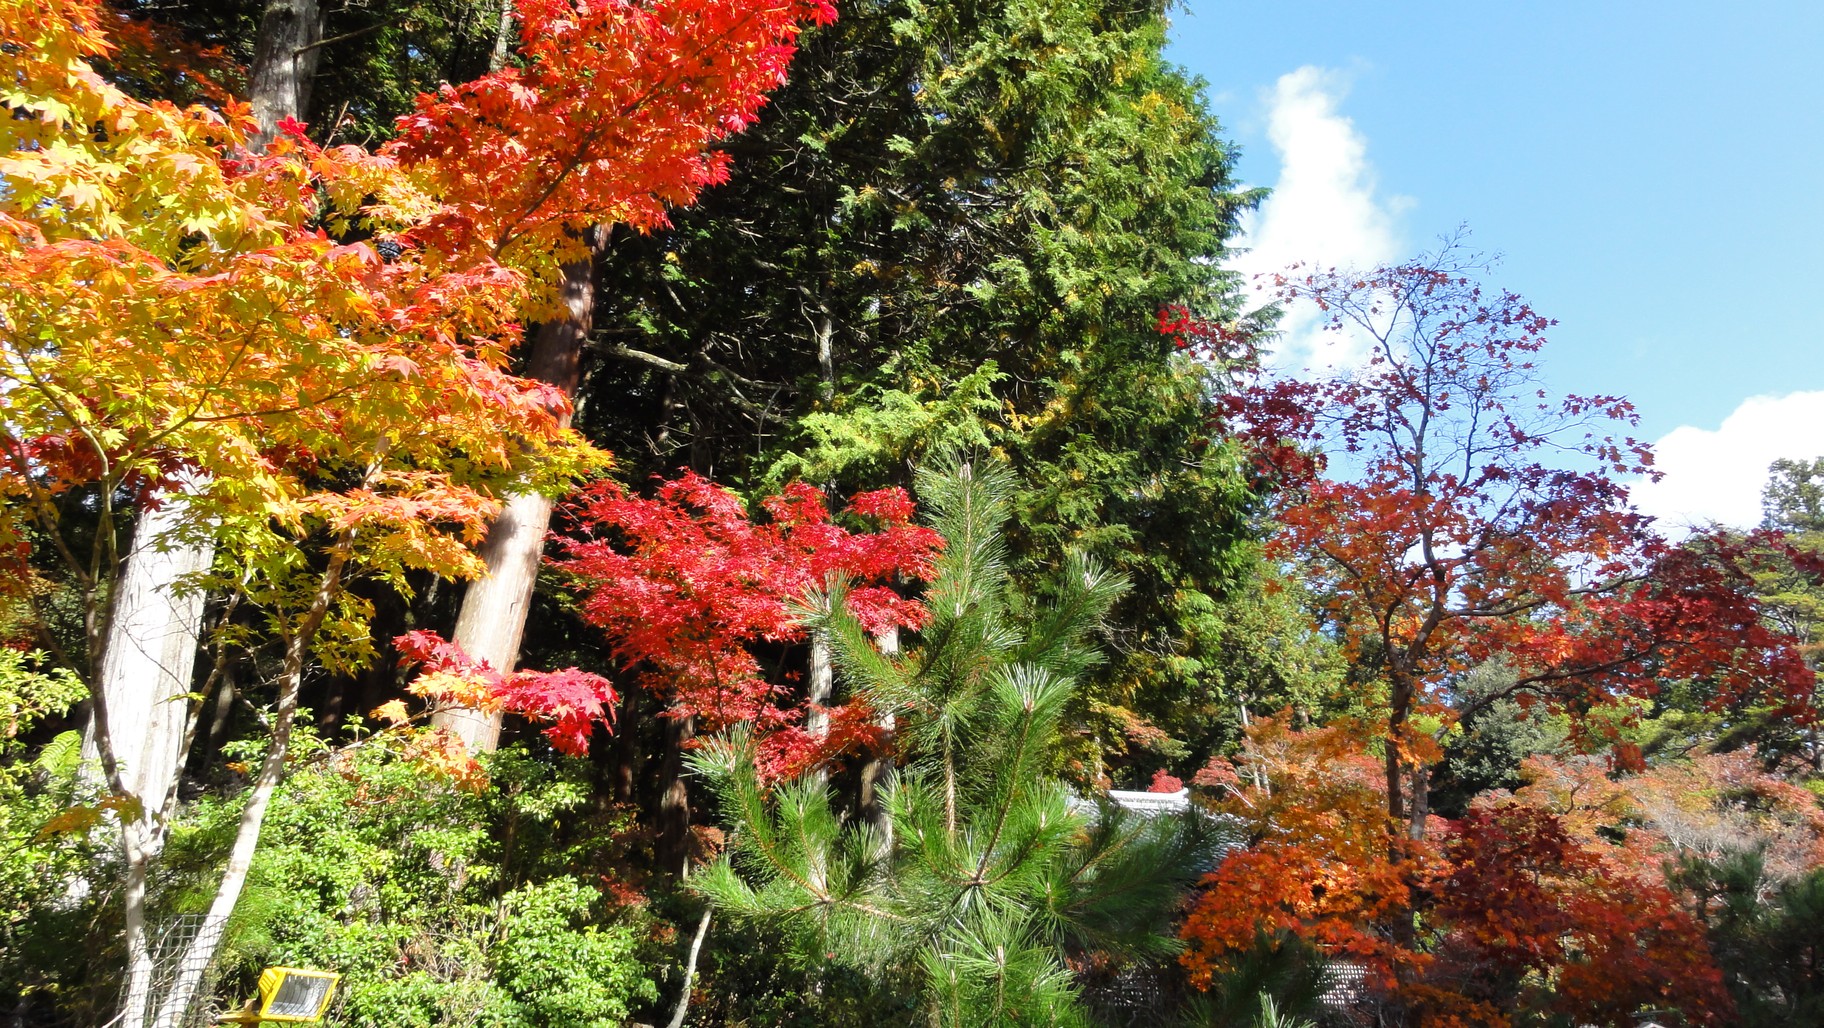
column 295, row 995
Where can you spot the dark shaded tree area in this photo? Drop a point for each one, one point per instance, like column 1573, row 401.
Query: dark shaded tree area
column 370, row 60
column 957, row 224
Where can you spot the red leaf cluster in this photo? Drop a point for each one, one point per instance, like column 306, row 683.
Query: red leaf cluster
column 573, row 700
column 684, row 583
column 607, row 117
column 1525, row 902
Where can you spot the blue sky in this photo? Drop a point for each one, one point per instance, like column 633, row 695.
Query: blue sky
column 1652, row 173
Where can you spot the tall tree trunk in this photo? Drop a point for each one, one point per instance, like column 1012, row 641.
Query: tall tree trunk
column 150, row 651
column 1399, row 705
column 1420, row 802
column 818, row 687
column 492, row 621
column 139, row 842
column 148, row 664
column 284, row 63
column 503, row 37
column 1405, row 821
column 626, row 755
column 674, row 801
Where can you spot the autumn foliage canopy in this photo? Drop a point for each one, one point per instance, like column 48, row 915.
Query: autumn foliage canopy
column 297, row 342
column 1516, row 912
column 1422, row 493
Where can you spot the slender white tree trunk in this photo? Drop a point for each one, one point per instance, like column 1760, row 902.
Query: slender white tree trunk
column 197, row 957
column 818, row 687
column 503, row 37
column 876, row 770
column 690, row 969
column 139, row 842
column 137, row 851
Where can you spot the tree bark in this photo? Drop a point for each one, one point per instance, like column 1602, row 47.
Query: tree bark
column 492, row 621
column 626, row 753
column 878, row 767
column 674, row 802
column 1399, row 706
column 1420, row 804
column 503, row 37
column 139, row 844
column 818, row 687
column 690, row 969
column 148, row 663
column 284, row 63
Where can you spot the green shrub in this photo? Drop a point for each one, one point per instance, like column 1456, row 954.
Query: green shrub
column 438, row 904
column 49, row 913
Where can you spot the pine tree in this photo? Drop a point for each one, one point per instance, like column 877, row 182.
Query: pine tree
column 990, row 877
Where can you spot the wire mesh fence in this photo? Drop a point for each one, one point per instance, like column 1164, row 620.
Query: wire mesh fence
column 175, row 951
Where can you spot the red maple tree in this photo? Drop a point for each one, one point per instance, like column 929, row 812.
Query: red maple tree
column 1527, row 904
column 1316, row 865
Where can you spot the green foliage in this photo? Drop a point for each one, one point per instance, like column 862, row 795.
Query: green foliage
column 1768, row 936
column 1280, row 981
column 1484, row 750
column 747, row 978
column 1793, row 500
column 865, row 432
column 30, row 692
column 45, row 850
column 439, row 905
column 1253, row 651
column 982, row 874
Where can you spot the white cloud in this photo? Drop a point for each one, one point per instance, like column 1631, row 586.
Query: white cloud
column 1717, row 475
column 1323, row 210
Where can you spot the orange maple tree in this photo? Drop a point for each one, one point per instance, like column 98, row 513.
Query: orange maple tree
column 1513, row 915
column 1316, row 864
column 1418, row 494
